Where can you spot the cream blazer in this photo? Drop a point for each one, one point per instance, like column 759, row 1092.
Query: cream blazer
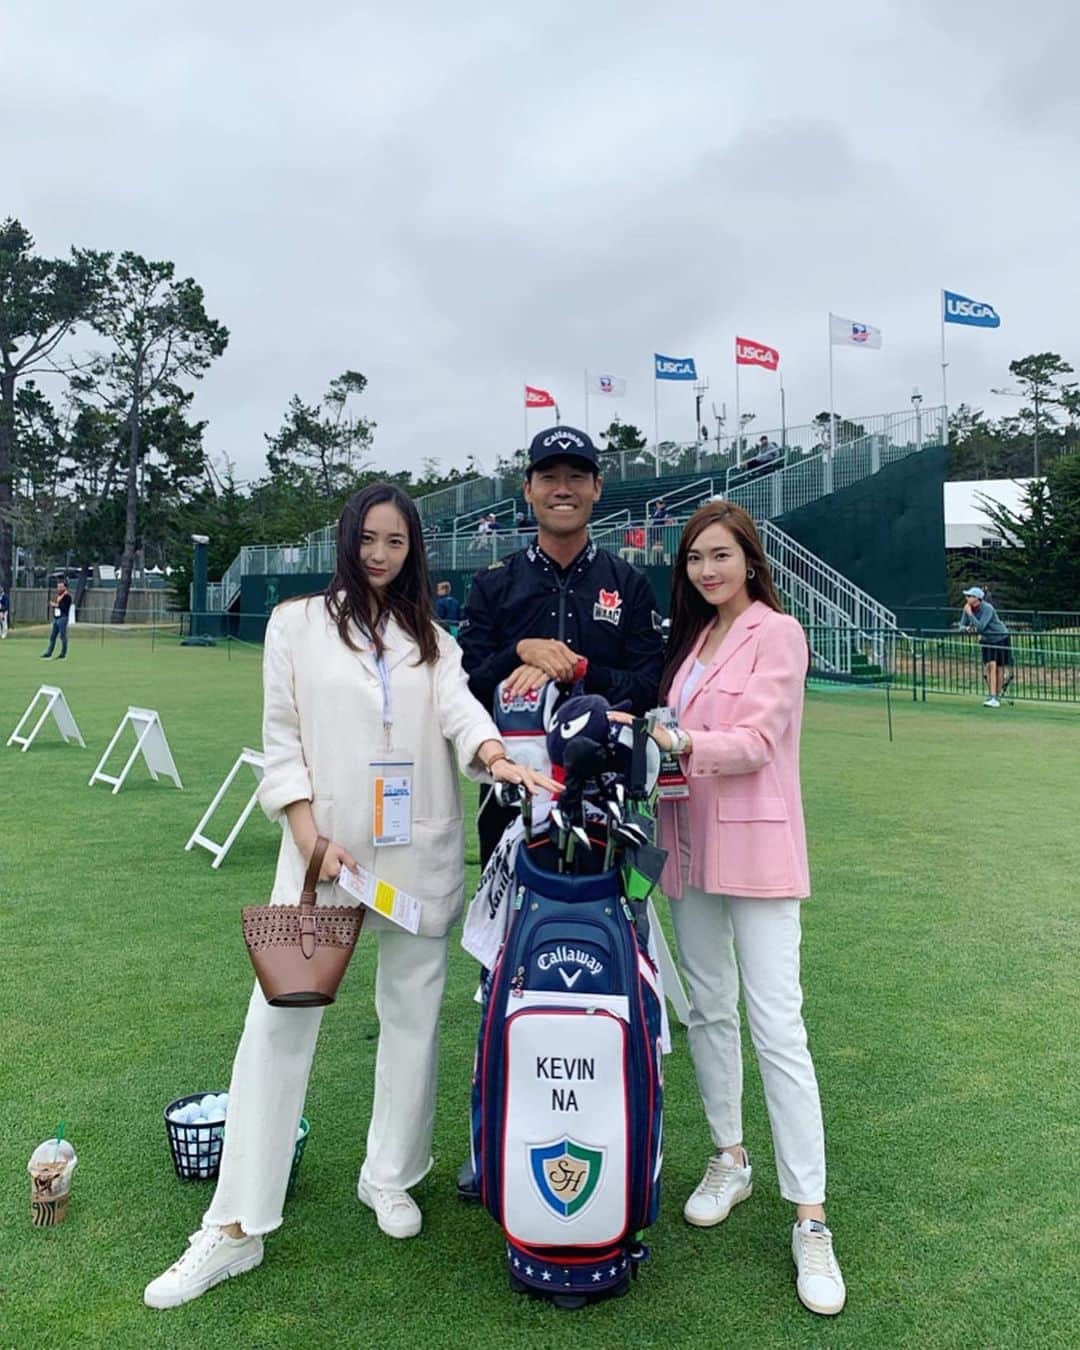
column 323, row 720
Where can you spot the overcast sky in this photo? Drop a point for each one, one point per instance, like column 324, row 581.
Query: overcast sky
column 458, row 198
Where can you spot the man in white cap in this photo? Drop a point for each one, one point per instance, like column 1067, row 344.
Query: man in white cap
column 980, row 617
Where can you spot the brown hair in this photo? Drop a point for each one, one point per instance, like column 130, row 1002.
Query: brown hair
column 690, row 611
column 407, row 597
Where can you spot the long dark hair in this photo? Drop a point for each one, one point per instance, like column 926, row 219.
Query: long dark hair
column 690, row 611
column 351, row 598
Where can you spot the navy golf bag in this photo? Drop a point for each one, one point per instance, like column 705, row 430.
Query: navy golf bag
column 568, row 1085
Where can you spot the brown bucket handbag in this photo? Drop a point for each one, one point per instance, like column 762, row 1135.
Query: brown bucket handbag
column 300, row 952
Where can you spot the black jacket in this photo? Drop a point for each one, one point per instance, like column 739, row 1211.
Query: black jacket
column 600, row 606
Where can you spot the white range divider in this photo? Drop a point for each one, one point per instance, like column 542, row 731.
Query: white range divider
column 670, row 978
column 256, row 761
column 55, row 703
column 150, row 742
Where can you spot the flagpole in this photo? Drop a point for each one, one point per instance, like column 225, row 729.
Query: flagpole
column 832, row 413
column 944, row 366
column 656, row 420
column 525, row 417
column 783, row 411
column 738, row 416
column 586, row 402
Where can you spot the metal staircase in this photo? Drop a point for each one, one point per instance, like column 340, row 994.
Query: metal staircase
column 848, row 630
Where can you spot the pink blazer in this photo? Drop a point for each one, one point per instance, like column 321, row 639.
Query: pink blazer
column 745, row 804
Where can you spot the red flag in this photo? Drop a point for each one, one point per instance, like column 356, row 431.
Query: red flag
column 749, row 353
column 538, row 398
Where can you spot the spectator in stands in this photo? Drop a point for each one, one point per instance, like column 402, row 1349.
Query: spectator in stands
column 657, row 522
column 447, row 608
column 529, row 617
column 981, row 618
column 766, row 454
column 483, row 529
column 5, row 610
column 61, row 607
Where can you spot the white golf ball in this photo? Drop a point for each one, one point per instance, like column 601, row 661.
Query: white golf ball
column 207, row 1104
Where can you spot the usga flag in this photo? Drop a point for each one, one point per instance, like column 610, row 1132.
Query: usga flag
column 674, row 367
column 608, row 384
column 977, row 313
column 749, row 353
column 847, row 333
column 538, row 398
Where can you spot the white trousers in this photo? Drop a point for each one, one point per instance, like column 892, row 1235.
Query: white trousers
column 711, row 931
column 270, row 1076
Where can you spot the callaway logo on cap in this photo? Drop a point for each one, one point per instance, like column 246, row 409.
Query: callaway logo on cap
column 562, row 443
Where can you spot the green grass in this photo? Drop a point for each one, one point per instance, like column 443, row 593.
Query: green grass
column 941, row 998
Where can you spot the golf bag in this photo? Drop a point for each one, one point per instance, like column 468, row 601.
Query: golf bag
column 568, row 1085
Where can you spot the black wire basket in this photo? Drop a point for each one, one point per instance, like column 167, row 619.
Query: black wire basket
column 196, row 1149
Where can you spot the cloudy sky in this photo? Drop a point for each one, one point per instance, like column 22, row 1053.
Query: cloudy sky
column 456, row 199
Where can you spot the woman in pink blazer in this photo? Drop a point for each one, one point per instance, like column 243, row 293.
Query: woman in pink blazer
column 737, row 871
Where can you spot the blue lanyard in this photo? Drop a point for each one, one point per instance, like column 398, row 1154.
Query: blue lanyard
column 387, row 698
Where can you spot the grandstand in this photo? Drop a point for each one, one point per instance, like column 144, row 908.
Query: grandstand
column 810, row 492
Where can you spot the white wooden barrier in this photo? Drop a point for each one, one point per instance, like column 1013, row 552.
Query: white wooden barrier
column 56, row 704
column 150, row 742
column 254, row 759
column 669, row 971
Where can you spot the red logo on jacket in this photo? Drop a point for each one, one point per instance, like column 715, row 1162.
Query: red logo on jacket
column 608, row 606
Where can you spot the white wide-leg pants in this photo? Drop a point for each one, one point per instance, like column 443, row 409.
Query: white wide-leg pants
column 270, row 1077
column 711, row 931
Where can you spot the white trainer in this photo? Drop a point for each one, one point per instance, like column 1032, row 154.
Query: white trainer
column 211, row 1257
column 991, row 702
column 819, row 1284
column 397, row 1213
column 724, row 1184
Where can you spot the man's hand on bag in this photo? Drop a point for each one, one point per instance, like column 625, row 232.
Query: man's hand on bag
column 524, row 680
column 550, row 655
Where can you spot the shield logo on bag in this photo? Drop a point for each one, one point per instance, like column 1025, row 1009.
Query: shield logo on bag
column 566, row 1175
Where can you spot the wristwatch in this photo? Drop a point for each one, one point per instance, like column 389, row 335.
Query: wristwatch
column 682, row 740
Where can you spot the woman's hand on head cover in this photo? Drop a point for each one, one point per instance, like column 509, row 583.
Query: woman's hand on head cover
column 333, row 861
column 506, row 771
column 660, row 735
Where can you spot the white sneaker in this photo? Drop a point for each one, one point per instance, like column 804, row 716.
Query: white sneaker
column 397, row 1213
column 724, row 1184
column 991, row 702
column 819, row 1284
column 211, row 1257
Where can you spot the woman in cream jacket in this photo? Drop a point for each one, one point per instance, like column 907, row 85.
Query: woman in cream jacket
column 737, row 872
column 347, row 677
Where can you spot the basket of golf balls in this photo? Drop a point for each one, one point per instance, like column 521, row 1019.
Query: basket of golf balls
column 196, row 1128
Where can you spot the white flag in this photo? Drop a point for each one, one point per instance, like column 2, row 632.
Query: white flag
column 611, row 385
column 847, row 333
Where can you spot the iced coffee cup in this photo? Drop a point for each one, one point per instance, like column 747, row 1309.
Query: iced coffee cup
column 51, row 1165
